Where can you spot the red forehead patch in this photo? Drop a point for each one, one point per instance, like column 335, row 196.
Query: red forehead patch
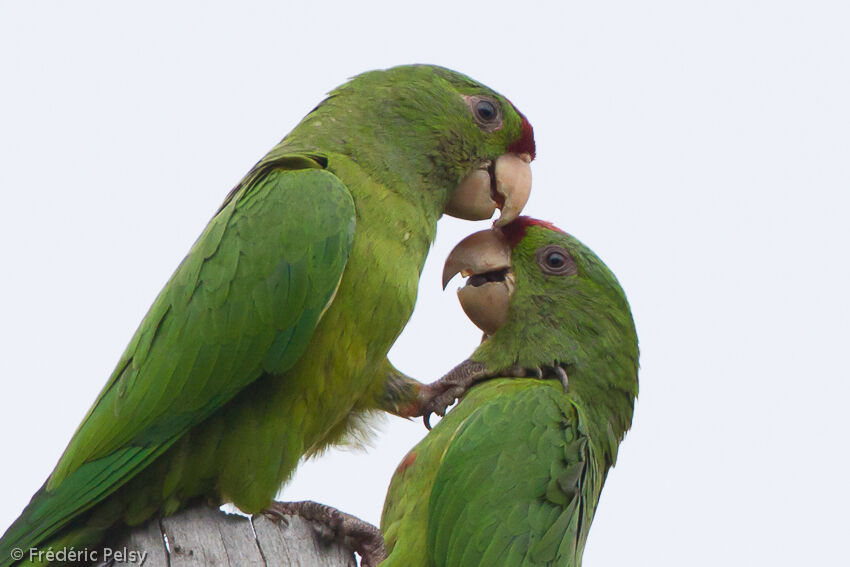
column 525, row 144
column 515, row 231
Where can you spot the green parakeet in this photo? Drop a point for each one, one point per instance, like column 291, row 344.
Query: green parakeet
column 512, row 476
column 269, row 342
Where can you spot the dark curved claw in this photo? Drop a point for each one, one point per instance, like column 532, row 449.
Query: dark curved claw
column 562, row 376
column 363, row 537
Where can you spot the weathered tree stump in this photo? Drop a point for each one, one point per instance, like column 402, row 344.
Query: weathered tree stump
column 202, row 537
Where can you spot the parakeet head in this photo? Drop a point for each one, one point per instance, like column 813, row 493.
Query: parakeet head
column 542, row 298
column 435, row 134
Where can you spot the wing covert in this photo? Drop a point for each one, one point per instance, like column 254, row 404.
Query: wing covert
column 244, row 302
column 510, row 489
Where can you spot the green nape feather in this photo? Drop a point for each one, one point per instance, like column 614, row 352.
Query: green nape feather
column 512, row 476
column 269, row 342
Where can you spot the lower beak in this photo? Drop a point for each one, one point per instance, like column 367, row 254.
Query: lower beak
column 505, row 184
column 485, row 258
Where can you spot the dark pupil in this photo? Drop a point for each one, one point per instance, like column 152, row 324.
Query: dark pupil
column 555, row 260
column 486, row 110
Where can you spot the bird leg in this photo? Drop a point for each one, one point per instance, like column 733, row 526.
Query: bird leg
column 362, row 537
column 437, row 396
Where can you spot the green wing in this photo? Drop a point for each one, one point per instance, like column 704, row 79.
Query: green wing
column 244, row 302
column 517, row 485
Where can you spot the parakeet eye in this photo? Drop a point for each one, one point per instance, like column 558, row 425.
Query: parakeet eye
column 486, row 111
column 556, row 261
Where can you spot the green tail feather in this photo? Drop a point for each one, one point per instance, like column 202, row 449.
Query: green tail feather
column 47, row 512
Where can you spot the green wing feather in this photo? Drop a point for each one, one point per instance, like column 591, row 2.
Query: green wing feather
column 244, row 302
column 517, row 484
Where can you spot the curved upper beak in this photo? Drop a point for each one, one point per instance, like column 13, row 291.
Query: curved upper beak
column 484, row 257
column 503, row 184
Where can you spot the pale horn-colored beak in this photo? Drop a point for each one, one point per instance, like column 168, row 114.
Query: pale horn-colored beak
column 513, row 185
column 486, row 258
column 505, row 184
column 471, row 199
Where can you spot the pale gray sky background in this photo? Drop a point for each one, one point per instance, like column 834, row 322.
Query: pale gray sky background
column 702, row 149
